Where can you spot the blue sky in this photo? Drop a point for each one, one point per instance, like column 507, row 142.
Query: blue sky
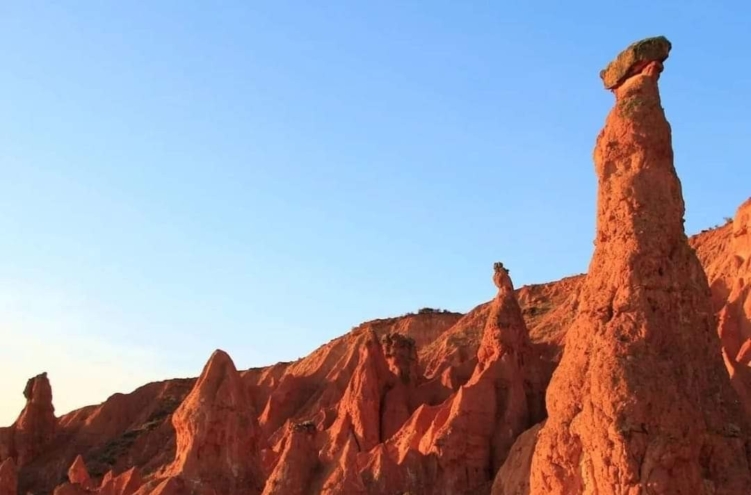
column 262, row 176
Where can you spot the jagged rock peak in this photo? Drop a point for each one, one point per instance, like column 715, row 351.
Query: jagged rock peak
column 79, row 474
column 219, row 362
column 218, row 437
column 505, row 328
column 126, row 483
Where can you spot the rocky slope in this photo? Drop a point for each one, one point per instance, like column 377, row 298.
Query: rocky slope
column 654, row 346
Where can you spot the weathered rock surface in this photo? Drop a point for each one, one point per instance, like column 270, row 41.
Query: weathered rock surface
column 297, row 463
column 724, row 253
column 735, row 315
column 471, row 437
column 126, row 483
column 456, row 446
column 35, row 427
column 78, row 474
column 70, row 489
column 218, row 437
column 175, row 486
column 8, row 477
column 401, row 397
column 312, row 387
column 124, row 431
column 513, row 477
column 633, row 59
column 640, row 402
column 360, row 407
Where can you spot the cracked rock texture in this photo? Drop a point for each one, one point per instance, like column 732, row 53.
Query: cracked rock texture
column 640, row 402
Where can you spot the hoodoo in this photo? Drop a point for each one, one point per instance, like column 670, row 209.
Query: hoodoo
column 35, row 427
column 496, row 405
column 640, row 402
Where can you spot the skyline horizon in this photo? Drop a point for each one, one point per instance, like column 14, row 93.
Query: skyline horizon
column 415, row 312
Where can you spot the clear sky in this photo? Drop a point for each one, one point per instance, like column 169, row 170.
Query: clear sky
column 261, row 176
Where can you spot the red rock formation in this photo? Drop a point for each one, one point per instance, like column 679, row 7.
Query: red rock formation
column 124, row 431
column 640, row 402
column 342, row 475
column 548, row 310
column 401, row 399
column 383, row 392
column 135, row 429
column 735, row 315
column 513, row 477
column 725, row 252
column 360, row 407
column 472, row 434
column 35, row 427
column 176, row 486
column 404, row 460
column 452, row 356
column 377, row 401
column 740, row 379
column 297, row 463
column 78, row 474
column 734, row 325
column 69, row 489
column 400, row 352
column 126, row 483
column 218, row 438
column 430, row 403
column 8, row 477
column 315, row 384
column 456, row 447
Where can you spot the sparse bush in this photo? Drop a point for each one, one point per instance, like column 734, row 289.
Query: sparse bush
column 104, row 458
column 424, row 311
column 304, row 426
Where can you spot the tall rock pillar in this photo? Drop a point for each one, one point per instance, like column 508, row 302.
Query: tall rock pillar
column 640, row 403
